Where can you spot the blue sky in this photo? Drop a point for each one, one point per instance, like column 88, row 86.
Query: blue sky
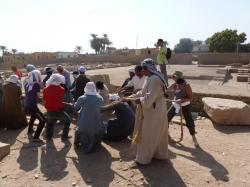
column 60, row 25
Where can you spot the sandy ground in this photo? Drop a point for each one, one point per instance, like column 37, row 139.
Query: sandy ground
column 222, row 160
column 230, row 87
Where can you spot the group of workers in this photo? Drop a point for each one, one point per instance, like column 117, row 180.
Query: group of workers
column 146, row 87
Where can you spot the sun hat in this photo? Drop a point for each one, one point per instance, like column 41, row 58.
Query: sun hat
column 178, row 74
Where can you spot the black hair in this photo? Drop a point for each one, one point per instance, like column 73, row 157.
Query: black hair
column 75, row 72
column 138, row 68
column 180, row 81
column 160, row 40
column 99, row 85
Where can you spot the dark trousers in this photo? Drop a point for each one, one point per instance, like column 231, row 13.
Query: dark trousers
column 186, row 111
column 52, row 117
column 35, row 113
column 163, row 69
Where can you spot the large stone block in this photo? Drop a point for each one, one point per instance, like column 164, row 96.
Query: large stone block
column 4, row 150
column 227, row 111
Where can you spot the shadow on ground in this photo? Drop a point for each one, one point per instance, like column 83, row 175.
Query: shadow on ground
column 203, row 158
column 126, row 150
column 231, row 129
column 95, row 168
column 161, row 174
column 9, row 136
column 53, row 161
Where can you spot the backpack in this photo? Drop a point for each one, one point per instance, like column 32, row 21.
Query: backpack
column 169, row 53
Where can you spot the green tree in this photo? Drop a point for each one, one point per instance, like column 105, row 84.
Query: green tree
column 78, row 49
column 99, row 44
column 4, row 49
column 14, row 51
column 185, row 45
column 105, row 42
column 95, row 43
column 226, row 41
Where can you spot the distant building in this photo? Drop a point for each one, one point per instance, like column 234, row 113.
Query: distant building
column 65, row 55
column 201, row 48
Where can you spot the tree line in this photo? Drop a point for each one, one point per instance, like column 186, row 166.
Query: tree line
column 225, row 41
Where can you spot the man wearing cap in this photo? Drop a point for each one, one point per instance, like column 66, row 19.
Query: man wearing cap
column 49, row 72
column 136, row 82
column 131, row 72
column 81, row 82
column 162, row 57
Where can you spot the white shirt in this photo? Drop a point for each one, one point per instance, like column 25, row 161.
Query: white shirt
column 137, row 82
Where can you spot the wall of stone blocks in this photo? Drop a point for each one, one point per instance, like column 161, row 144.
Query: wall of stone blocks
column 133, row 59
column 223, row 58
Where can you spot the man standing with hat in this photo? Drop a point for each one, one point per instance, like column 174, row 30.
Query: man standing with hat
column 161, row 59
column 81, row 82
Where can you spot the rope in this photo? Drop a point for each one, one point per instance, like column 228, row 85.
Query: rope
column 181, row 124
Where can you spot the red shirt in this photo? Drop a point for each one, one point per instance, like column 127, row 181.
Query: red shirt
column 53, row 97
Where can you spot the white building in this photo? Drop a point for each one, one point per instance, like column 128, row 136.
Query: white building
column 201, row 48
column 65, row 55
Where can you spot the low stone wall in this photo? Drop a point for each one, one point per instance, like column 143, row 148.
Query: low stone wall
column 133, row 59
column 197, row 105
column 223, row 58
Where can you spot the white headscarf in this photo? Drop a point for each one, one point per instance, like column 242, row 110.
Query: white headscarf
column 14, row 79
column 56, row 80
column 33, row 77
column 131, row 70
column 150, row 64
column 90, row 89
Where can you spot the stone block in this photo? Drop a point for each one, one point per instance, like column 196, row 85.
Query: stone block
column 227, row 111
column 4, row 150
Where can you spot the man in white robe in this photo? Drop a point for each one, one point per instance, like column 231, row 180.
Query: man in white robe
column 153, row 138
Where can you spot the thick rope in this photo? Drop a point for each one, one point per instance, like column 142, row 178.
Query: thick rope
column 181, row 124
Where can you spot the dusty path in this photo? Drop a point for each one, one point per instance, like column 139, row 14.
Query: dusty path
column 222, row 160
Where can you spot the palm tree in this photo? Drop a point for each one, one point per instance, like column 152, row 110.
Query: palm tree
column 105, row 42
column 95, row 43
column 78, row 49
column 3, row 48
column 14, row 51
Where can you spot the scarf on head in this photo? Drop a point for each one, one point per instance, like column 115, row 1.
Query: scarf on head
column 56, row 80
column 33, row 77
column 150, row 64
column 30, row 67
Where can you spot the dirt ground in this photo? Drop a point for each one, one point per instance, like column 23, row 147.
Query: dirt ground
column 194, row 75
column 222, row 160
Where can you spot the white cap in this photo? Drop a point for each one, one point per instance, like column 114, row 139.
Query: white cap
column 82, row 69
